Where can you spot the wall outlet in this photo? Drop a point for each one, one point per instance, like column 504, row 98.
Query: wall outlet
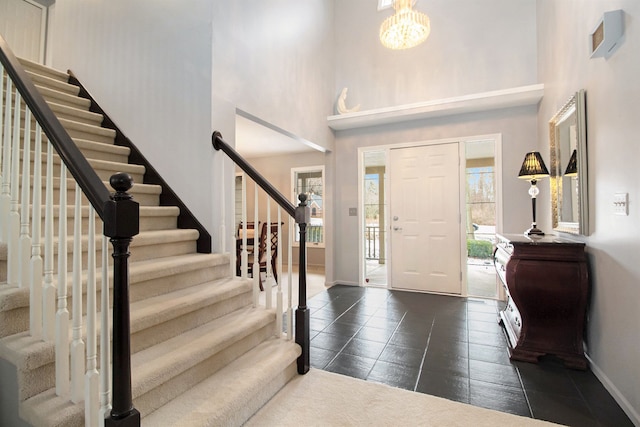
column 621, row 204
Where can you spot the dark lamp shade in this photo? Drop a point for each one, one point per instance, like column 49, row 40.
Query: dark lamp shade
column 572, row 167
column 533, row 167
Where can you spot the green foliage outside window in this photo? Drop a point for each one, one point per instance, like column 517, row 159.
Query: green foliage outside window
column 479, row 249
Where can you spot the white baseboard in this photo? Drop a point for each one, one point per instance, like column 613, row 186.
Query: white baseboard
column 615, row 393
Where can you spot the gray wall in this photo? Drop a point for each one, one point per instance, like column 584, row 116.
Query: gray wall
column 612, row 91
column 274, row 60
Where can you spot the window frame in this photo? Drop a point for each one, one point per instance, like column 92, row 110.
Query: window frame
column 294, row 175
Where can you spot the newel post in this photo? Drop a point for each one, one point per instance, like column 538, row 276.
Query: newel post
column 121, row 223
column 303, row 216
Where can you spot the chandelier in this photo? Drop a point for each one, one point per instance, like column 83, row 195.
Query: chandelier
column 406, row 28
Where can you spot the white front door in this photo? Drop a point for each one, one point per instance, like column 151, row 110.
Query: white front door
column 425, row 218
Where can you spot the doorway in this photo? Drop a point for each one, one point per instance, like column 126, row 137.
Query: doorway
column 478, row 190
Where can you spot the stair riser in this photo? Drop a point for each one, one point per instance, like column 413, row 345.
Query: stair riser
column 179, row 384
column 253, row 405
column 16, row 319
column 138, row 253
column 144, row 199
column 91, row 149
column 174, row 327
column 64, row 99
column 77, row 130
column 53, row 83
column 96, row 155
column 91, row 136
column 141, row 288
column 43, row 71
column 36, row 381
column 147, row 223
column 104, row 171
column 145, row 196
column 76, row 115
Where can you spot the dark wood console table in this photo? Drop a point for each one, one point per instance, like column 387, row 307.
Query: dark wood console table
column 547, row 286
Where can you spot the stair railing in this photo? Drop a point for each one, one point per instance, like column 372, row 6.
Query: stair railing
column 24, row 118
column 301, row 215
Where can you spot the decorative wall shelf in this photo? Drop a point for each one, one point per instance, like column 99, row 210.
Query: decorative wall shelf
column 485, row 101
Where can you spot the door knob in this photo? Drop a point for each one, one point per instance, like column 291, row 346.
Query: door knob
column 397, row 228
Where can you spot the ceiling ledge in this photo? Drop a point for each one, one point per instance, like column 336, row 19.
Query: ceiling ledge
column 485, row 101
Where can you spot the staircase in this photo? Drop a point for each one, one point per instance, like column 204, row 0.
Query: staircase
column 202, row 354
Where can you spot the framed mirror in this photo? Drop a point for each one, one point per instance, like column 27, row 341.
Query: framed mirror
column 568, row 141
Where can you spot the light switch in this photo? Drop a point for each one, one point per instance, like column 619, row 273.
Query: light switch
column 621, row 203
column 353, row 211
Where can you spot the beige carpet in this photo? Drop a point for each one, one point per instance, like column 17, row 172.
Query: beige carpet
column 323, row 398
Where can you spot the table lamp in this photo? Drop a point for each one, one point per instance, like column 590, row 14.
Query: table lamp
column 532, row 169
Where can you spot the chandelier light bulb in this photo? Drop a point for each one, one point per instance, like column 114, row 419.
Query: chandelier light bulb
column 406, row 28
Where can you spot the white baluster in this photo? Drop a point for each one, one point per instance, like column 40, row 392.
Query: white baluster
column 49, row 290
column 222, row 230
column 25, row 238
column 91, row 384
column 268, row 288
column 35, row 267
column 105, row 341
column 279, row 281
column 77, row 344
column 62, row 315
column 2, row 108
column 5, row 196
column 244, row 254
column 13, row 230
column 290, row 281
column 256, row 244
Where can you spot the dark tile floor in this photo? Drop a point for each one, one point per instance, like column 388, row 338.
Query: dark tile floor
column 449, row 347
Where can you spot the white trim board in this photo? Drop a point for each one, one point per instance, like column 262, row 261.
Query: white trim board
column 485, row 101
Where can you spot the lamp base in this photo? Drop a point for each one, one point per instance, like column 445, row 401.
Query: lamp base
column 534, row 231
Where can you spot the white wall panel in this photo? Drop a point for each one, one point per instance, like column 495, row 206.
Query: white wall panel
column 148, row 64
column 22, row 24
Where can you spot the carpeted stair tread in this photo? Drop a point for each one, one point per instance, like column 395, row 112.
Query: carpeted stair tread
column 48, row 410
column 100, row 146
column 53, row 83
column 77, row 114
column 71, row 125
column 104, row 165
column 155, row 365
column 162, row 308
column 51, row 95
column 160, row 267
column 137, row 187
column 44, row 70
column 226, row 396
column 12, row 297
column 28, row 353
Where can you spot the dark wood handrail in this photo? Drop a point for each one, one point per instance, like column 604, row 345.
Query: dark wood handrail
column 221, row 144
column 120, row 215
column 301, row 214
column 91, row 185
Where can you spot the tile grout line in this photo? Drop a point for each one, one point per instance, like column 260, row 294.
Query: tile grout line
column 424, row 355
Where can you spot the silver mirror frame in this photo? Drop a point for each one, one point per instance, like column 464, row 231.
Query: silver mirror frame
column 576, row 105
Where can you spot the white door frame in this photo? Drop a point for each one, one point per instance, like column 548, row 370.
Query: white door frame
column 497, row 138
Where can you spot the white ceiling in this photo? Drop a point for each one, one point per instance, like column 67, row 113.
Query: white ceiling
column 254, row 139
